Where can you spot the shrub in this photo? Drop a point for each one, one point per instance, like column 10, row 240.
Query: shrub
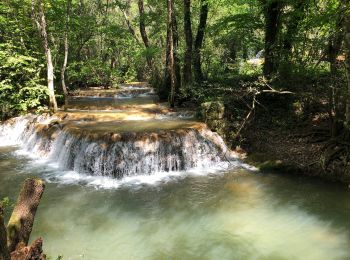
column 21, row 89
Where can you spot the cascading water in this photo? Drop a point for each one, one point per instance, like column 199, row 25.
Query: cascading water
column 87, row 146
column 153, row 211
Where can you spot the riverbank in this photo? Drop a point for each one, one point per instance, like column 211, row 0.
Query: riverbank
column 301, row 149
column 277, row 130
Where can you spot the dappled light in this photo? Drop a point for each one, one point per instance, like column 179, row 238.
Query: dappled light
column 192, row 129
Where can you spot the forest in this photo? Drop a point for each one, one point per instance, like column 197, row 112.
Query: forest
column 274, row 64
column 127, row 88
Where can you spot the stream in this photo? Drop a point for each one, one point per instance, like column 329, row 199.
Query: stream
column 173, row 192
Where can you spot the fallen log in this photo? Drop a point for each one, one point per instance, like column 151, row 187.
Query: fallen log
column 22, row 219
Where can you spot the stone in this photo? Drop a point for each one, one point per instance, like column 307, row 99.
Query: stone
column 212, row 110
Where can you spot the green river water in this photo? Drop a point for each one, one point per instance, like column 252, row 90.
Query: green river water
column 233, row 214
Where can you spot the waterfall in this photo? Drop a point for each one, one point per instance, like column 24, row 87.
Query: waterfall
column 111, row 154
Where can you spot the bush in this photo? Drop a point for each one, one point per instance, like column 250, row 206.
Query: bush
column 95, row 73
column 21, row 89
column 89, row 73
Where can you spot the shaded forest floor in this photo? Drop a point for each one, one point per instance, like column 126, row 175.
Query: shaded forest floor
column 281, row 150
column 283, row 132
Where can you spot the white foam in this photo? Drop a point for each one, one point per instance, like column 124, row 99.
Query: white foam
column 75, row 161
column 123, row 96
column 57, row 175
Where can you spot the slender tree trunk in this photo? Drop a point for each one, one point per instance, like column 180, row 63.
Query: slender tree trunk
column 293, row 25
column 198, row 44
column 143, row 31
column 41, row 24
column 125, row 12
column 170, row 51
column 187, row 69
column 335, row 41
column 334, row 47
column 176, row 56
column 272, row 20
column 347, row 58
column 22, row 219
column 142, row 25
column 66, row 49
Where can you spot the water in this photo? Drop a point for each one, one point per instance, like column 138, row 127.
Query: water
column 236, row 214
column 117, row 149
column 140, row 182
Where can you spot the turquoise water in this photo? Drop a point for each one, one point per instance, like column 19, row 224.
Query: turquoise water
column 227, row 214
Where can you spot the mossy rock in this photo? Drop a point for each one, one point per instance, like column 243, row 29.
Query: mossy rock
column 268, row 164
column 218, row 126
column 212, row 110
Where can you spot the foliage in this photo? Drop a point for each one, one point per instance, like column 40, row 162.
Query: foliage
column 106, row 48
column 4, row 203
column 21, row 88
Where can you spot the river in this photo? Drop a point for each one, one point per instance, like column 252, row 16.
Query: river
column 225, row 211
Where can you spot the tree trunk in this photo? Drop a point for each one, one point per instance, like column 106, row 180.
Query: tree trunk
column 142, row 24
column 22, row 219
column 292, row 27
column 125, row 12
column 334, row 48
column 187, row 69
column 66, row 49
column 272, row 20
column 198, row 44
column 41, row 24
column 4, row 252
column 32, row 252
column 170, row 51
column 176, row 56
column 347, row 59
column 143, row 32
column 335, row 41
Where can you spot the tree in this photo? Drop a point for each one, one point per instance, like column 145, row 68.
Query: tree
column 21, row 221
column 296, row 16
column 143, row 31
column 40, row 20
column 272, row 23
column 347, row 58
column 198, row 44
column 66, row 49
column 171, row 51
column 187, row 68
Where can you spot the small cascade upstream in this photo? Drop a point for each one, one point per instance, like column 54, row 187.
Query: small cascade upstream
column 143, row 138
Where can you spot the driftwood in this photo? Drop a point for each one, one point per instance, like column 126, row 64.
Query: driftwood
column 21, row 222
column 32, row 252
column 4, row 252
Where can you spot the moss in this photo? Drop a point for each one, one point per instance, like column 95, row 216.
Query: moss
column 13, row 226
column 266, row 163
column 39, row 182
column 212, row 110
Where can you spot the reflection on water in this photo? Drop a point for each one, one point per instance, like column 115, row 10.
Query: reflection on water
column 231, row 215
column 109, row 103
column 135, row 126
